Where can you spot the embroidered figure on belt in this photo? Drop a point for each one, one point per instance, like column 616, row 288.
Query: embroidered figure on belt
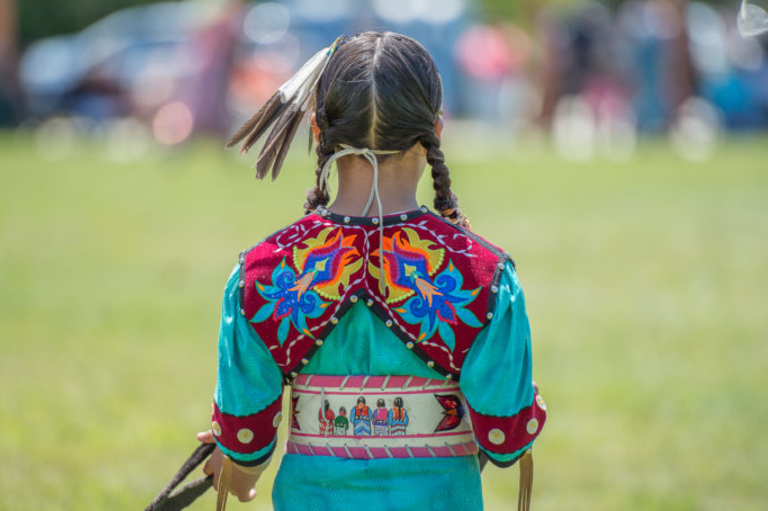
column 398, row 418
column 380, row 419
column 361, row 418
column 341, row 424
column 326, row 417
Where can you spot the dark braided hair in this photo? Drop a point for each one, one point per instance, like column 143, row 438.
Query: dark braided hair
column 382, row 90
column 446, row 201
column 317, row 196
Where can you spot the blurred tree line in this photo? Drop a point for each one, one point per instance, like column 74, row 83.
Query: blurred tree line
column 43, row 18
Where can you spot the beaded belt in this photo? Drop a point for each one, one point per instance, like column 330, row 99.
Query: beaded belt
column 368, row 417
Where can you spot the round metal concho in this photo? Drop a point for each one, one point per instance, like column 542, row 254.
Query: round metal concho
column 277, row 419
column 245, row 436
column 540, row 402
column 216, row 428
column 496, row 436
column 532, row 427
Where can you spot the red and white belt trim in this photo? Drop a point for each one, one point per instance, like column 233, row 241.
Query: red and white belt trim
column 367, row 417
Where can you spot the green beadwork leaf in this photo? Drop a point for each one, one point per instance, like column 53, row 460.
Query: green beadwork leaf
column 446, row 334
column 467, row 317
column 282, row 331
column 263, row 313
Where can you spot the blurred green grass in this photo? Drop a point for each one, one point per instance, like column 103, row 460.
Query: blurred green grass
column 645, row 282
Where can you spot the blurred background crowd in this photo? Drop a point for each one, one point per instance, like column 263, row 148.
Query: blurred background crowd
column 593, row 75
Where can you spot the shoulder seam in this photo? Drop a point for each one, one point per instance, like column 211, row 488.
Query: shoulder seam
column 503, row 256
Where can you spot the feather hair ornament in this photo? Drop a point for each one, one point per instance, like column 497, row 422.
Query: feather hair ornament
column 283, row 112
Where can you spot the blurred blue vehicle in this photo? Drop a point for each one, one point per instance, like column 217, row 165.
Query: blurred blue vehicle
column 97, row 73
column 218, row 64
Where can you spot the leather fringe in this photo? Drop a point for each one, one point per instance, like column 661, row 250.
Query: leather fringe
column 526, row 482
column 224, row 477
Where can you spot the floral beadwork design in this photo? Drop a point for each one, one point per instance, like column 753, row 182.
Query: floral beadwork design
column 323, row 267
column 431, row 283
column 435, row 301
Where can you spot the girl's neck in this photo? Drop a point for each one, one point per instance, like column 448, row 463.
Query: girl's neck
column 398, row 180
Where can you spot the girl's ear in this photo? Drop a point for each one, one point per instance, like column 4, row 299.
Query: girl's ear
column 439, row 126
column 315, row 129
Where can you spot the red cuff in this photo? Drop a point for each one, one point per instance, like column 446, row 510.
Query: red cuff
column 505, row 435
column 247, row 434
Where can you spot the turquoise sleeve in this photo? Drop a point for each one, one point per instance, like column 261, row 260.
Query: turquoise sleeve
column 496, row 376
column 248, row 378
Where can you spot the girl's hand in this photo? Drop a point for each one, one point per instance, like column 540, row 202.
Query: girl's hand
column 241, row 484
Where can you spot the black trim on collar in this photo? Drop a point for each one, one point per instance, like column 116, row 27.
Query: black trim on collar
column 393, row 219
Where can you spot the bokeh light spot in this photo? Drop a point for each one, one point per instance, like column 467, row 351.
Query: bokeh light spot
column 173, row 123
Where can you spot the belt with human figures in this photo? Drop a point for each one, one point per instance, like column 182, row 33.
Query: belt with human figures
column 369, row 417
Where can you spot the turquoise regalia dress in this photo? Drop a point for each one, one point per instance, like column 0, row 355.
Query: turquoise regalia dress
column 412, row 311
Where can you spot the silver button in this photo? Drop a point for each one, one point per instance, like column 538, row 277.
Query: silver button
column 319, row 342
column 241, row 283
column 494, row 289
column 403, row 217
column 431, row 363
column 501, row 266
column 369, row 302
column 242, row 311
column 409, row 345
column 334, row 319
column 388, row 323
column 353, row 298
column 375, row 220
column 304, row 361
column 347, row 219
column 489, row 315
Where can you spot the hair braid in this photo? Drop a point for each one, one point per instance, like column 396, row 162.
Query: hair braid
column 446, row 203
column 318, row 196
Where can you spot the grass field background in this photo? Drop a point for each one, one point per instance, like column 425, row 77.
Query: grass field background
column 646, row 282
